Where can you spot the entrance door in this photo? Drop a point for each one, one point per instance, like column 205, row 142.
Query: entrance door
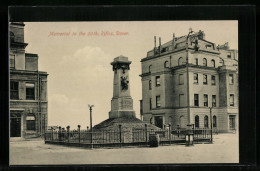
column 232, row 122
column 158, row 121
column 15, row 126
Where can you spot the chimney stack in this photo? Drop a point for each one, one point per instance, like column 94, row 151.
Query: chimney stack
column 173, row 41
column 159, row 45
column 154, row 49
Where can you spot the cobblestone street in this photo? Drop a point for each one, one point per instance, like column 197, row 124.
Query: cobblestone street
column 224, row 150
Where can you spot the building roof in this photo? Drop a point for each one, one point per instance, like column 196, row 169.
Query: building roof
column 31, row 55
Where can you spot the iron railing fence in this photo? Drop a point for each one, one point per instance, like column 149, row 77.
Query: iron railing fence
column 128, row 136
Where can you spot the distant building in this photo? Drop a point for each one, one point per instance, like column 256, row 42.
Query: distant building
column 28, row 88
column 212, row 82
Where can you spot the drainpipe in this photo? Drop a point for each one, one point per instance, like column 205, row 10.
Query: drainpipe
column 187, row 69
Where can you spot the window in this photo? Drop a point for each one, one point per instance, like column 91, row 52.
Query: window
column 213, row 63
column 197, row 121
column 166, row 64
column 30, row 122
column 208, row 46
column 205, row 79
column 229, row 54
column 11, row 36
column 14, row 93
column 11, row 61
column 231, row 100
column 158, row 102
column 30, row 91
column 195, row 77
column 231, row 79
column 205, row 100
column 150, row 103
column 150, row 68
column 150, row 85
column 213, row 80
column 196, row 61
column 196, row 100
column 181, row 100
column 180, row 61
column 204, row 62
column 157, row 80
column 213, row 100
column 181, row 80
column 214, row 121
column 206, row 122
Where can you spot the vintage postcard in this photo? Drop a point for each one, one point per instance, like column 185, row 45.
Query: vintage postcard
column 124, row 92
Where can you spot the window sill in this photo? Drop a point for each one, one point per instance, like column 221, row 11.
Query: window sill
column 196, row 83
column 213, row 84
column 205, row 83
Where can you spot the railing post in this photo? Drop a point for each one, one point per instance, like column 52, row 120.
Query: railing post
column 51, row 133
column 59, row 134
column 170, row 134
column 79, row 132
column 146, row 139
column 120, row 132
column 68, row 133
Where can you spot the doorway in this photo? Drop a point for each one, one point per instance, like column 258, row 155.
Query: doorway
column 158, row 121
column 232, row 122
column 15, row 125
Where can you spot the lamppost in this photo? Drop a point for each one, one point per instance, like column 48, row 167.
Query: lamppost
column 211, row 134
column 187, row 68
column 91, row 137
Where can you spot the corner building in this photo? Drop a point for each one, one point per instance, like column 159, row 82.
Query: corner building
column 28, row 88
column 171, row 96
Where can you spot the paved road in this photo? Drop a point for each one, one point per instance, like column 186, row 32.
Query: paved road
column 224, row 150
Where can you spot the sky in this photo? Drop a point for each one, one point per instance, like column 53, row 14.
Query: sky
column 77, row 57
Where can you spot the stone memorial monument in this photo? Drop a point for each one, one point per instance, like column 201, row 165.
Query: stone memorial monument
column 122, row 112
column 122, row 102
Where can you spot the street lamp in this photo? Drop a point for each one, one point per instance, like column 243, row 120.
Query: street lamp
column 91, row 138
column 187, row 68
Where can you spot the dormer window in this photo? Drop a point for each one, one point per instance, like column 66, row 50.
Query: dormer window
column 208, row 46
column 229, row 55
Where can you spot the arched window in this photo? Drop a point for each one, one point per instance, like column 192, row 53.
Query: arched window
column 180, row 61
column 11, row 36
column 197, row 121
column 166, row 64
column 214, row 121
column 204, row 62
column 213, row 63
column 30, row 122
column 150, row 85
column 196, row 61
column 182, row 125
column 206, row 122
column 150, row 68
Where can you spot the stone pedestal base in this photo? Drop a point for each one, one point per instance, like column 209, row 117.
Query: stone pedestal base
column 122, row 113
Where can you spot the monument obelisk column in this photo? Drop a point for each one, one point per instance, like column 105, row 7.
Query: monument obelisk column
column 122, row 102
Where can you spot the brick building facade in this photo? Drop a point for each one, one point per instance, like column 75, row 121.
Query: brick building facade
column 28, row 88
column 171, row 96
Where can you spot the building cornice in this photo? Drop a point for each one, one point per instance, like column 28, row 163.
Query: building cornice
column 18, row 44
column 181, row 49
column 25, row 72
